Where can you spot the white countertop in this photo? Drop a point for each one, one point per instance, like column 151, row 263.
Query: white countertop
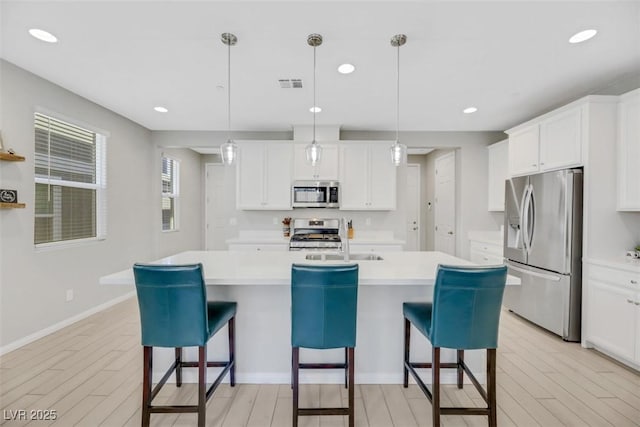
column 264, row 237
column 274, row 268
column 491, row 237
column 620, row 262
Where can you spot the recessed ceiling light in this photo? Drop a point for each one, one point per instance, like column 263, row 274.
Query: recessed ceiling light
column 582, row 36
column 315, row 109
column 470, row 110
column 43, row 35
column 161, row 109
column 346, row 68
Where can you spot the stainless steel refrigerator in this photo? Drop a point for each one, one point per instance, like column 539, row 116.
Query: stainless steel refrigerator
column 543, row 247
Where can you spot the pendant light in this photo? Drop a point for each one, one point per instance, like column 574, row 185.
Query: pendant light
column 398, row 151
column 313, row 151
column 229, row 150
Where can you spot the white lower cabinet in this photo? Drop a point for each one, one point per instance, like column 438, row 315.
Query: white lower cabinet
column 485, row 253
column 612, row 312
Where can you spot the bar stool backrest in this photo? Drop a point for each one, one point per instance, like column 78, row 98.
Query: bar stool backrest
column 466, row 306
column 173, row 305
column 324, row 301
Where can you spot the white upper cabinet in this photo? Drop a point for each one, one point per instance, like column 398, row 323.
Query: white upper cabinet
column 326, row 170
column 367, row 176
column 264, row 175
column 553, row 141
column 628, row 147
column 498, row 173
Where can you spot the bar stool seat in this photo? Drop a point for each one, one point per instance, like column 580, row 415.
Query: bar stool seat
column 464, row 315
column 323, row 316
column 174, row 312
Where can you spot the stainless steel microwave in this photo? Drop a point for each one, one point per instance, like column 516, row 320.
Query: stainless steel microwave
column 315, row 194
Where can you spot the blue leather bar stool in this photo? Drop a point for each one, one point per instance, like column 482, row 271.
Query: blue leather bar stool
column 324, row 302
column 464, row 315
column 174, row 312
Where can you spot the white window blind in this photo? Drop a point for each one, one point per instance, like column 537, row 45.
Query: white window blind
column 70, row 182
column 170, row 193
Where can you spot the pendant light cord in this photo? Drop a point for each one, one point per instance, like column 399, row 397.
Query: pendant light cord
column 398, row 96
column 314, row 96
column 229, row 91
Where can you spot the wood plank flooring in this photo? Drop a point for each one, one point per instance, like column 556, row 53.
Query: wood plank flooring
column 90, row 373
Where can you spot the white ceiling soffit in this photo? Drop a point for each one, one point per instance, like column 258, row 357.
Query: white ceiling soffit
column 510, row 59
column 419, row 150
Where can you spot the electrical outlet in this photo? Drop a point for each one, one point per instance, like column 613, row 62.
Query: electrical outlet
column 69, row 296
column 367, row 221
column 233, row 221
column 275, row 220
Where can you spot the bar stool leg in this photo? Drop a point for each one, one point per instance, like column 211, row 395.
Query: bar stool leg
column 202, row 385
column 460, row 369
column 295, row 356
column 407, row 339
column 351, row 352
column 435, row 374
column 146, row 385
column 178, row 366
column 346, row 367
column 491, row 387
column 232, row 351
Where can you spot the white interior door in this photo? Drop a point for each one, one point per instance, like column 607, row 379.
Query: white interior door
column 413, row 208
column 217, row 197
column 445, row 203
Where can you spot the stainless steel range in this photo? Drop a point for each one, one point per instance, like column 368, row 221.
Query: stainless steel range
column 315, row 234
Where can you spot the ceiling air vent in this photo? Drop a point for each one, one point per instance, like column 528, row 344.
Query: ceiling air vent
column 290, row 83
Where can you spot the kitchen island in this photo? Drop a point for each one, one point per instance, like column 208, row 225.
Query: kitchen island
column 259, row 282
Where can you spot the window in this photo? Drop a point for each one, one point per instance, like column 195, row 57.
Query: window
column 170, row 191
column 70, row 182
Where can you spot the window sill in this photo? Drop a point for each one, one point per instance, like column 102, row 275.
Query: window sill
column 44, row 247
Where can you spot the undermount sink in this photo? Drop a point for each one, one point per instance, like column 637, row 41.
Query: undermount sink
column 336, row 257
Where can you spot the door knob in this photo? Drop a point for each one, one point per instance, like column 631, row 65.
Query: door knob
column 451, row 232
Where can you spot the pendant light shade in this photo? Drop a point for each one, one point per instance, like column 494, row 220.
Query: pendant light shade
column 229, row 150
column 313, row 151
column 398, row 151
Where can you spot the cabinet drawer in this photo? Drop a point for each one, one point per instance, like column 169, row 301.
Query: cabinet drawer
column 487, row 248
column 614, row 276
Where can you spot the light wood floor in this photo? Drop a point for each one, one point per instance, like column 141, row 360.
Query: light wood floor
column 90, row 374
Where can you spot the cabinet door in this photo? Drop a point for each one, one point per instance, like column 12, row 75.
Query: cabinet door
column 382, row 181
column 327, row 170
column 498, row 173
column 523, row 151
column 278, row 176
column 561, row 140
column 628, row 147
column 611, row 316
column 354, row 176
column 250, row 173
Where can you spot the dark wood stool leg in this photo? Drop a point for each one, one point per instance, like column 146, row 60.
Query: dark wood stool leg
column 294, row 369
column 351, row 386
column 202, row 385
column 232, row 351
column 407, row 339
column 146, row 385
column 460, row 368
column 178, row 366
column 491, row 387
column 346, row 367
column 435, row 375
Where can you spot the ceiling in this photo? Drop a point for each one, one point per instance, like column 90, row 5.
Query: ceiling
column 511, row 60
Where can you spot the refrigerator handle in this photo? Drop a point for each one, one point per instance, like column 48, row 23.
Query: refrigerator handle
column 531, row 219
column 535, row 273
column 524, row 214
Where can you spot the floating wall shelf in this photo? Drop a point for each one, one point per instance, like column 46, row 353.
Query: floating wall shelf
column 12, row 205
column 11, row 157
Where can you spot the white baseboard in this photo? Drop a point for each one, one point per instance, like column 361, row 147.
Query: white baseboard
column 53, row 328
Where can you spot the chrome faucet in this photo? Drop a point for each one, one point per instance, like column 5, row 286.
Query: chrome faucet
column 345, row 241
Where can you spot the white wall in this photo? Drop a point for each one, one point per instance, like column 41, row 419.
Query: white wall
column 33, row 282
